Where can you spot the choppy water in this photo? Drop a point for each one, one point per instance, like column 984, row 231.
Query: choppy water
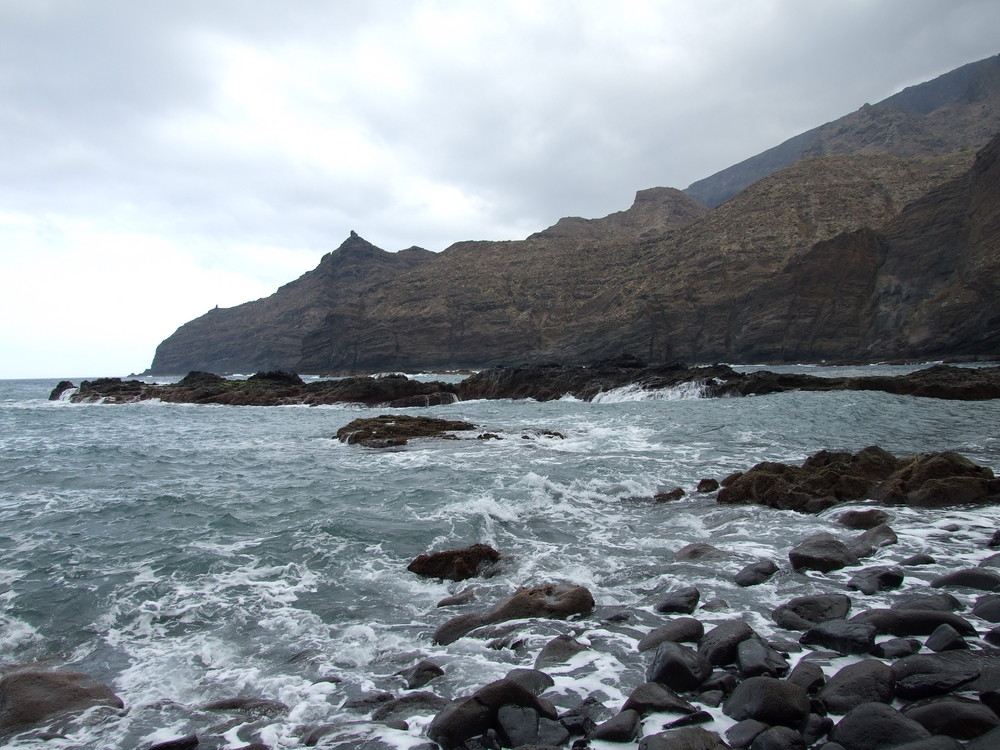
column 186, row 554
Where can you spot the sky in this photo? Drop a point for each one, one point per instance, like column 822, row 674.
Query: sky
column 160, row 157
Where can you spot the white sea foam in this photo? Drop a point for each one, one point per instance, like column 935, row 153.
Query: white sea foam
column 627, row 393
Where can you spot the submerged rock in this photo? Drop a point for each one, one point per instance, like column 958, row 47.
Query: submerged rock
column 37, row 698
column 455, row 564
column 392, row 430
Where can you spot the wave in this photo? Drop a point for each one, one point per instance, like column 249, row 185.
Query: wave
column 682, row 392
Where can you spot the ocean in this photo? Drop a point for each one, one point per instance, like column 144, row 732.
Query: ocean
column 189, row 554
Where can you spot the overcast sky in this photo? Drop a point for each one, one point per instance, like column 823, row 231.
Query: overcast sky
column 161, row 158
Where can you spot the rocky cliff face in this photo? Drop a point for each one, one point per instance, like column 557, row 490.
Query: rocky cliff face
column 958, row 110
column 266, row 334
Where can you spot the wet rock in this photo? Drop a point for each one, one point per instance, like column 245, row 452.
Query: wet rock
column 655, row 697
column 531, row 680
column 822, row 552
column 867, row 542
column 420, row 674
column 939, row 602
column 863, row 519
column 842, row 636
column 698, row 717
column 552, row 600
column 721, row 680
column 420, row 702
column 779, row 738
column 988, row 608
column 905, row 622
column 937, row 480
column 665, row 497
column 181, row 743
column 993, row 561
column 945, row 638
column 815, row 728
column 960, row 718
column 393, row 430
column 873, row 726
column 802, row 612
column 872, row 580
column 755, row 573
column 688, row 738
column 742, row 733
column 678, row 630
column 521, row 726
column 807, row 675
column 623, row 727
column 938, row 742
column 720, row 645
column 984, row 579
column 896, row 648
column 698, row 551
column 60, row 389
column 924, row 685
column 463, row 597
column 755, row 658
column 32, row 698
column 768, row 700
column 678, row 667
column 683, row 601
column 455, row 564
column 862, row 682
column 708, row 485
column 471, row 717
column 920, row 558
column 558, row 651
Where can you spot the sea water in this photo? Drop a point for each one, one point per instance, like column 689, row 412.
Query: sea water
column 187, row 554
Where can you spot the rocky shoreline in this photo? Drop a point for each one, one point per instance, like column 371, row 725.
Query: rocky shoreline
column 866, row 665
column 539, row 382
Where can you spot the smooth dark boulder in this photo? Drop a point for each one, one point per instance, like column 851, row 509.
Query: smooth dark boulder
column 808, row 675
column 842, row 636
column 988, row 741
column 945, row 638
column 678, row 667
column 755, row 658
column 984, row 579
column 418, row 702
column 937, row 480
column 755, row 573
column 420, row 674
column 32, row 698
column 905, row 622
column 622, row 727
column 931, row 685
column 743, row 733
column 656, row 697
column 865, row 681
column 985, row 661
column 860, row 520
column 682, row 601
column 779, row 738
column 181, row 743
column 708, row 484
column 531, row 680
column 720, row 644
column 941, row 602
column 937, row 742
column 867, row 542
column 552, row 600
column 872, row 580
column 802, row 612
column 678, row 630
column 822, row 552
column 896, row 648
column 521, row 726
column 987, row 608
column 688, row 738
column 960, row 718
column 768, row 700
column 558, row 651
column 698, row 551
column 455, row 564
column 60, row 389
column 876, row 726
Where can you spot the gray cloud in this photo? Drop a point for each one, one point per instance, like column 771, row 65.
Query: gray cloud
column 204, row 129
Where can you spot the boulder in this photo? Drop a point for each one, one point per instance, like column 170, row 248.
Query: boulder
column 683, row 601
column 906, row 622
column 678, row 667
column 808, row 675
column 768, row 700
column 655, row 697
column 779, row 738
column 755, row 658
column 875, row 726
column 941, row 602
column 984, row 579
column 873, row 580
column 720, row 644
column 558, row 651
column 862, row 682
column 678, row 630
column 521, row 726
column 623, row 727
column 35, row 698
column 960, row 718
column 551, row 600
column 688, row 738
column 863, row 519
column 708, row 485
column 456, row 564
column 931, row 685
column 802, row 612
column 822, row 552
column 418, row 702
column 755, row 573
column 945, row 638
column 937, row 480
column 987, row 608
column 698, row 551
column 420, row 674
column 896, row 648
column 842, row 636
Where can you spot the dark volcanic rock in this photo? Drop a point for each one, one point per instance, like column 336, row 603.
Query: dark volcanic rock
column 755, row 573
column 720, row 644
column 863, row 519
column 33, row 698
column 389, row 430
column 688, row 738
column 656, row 697
column 862, row 682
column 802, row 612
column 678, row 667
column 552, row 600
column 872, row 580
column 905, row 622
column 973, row 578
column 876, row 726
column 841, row 636
column 684, row 601
column 822, row 552
column 678, row 630
column 768, row 700
column 960, row 718
column 456, row 564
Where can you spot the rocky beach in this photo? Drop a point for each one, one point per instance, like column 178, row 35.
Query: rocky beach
column 640, row 566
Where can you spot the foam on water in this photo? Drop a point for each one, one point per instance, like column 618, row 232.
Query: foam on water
column 638, row 393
